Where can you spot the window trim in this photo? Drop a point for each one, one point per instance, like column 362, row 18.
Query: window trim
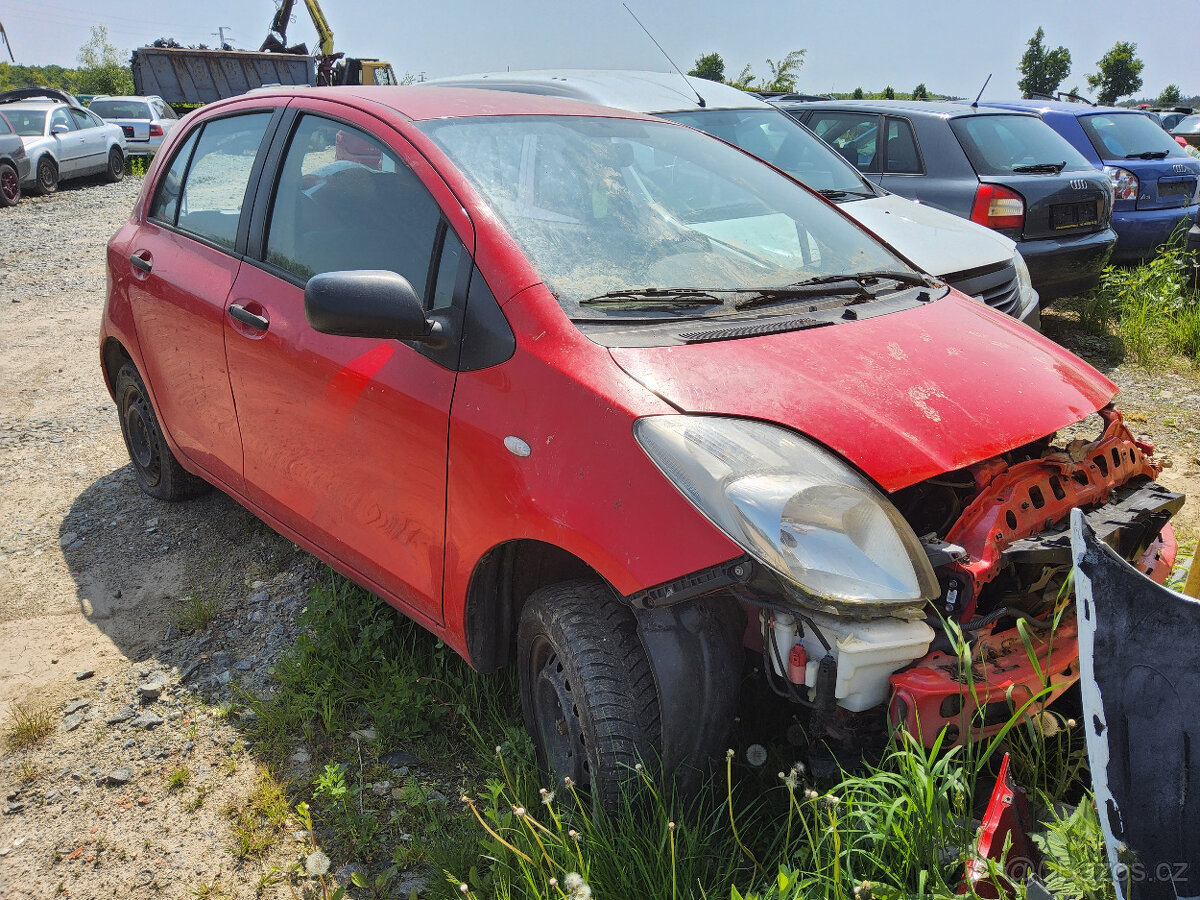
column 916, row 145
column 238, row 250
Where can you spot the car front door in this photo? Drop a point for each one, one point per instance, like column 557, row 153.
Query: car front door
column 855, row 135
column 69, row 143
column 184, row 259
column 345, row 438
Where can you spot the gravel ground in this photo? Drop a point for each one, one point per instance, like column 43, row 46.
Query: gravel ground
column 94, row 576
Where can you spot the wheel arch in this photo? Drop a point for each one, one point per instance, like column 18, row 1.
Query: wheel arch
column 113, row 355
column 501, row 582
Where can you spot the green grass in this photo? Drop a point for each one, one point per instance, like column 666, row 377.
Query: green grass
column 196, row 611
column 29, row 727
column 178, row 778
column 902, row 825
column 1153, row 308
column 137, row 165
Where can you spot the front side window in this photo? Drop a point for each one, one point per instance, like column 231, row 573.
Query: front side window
column 854, row 135
column 344, row 202
column 60, row 117
column 214, row 188
column 1128, row 136
column 902, row 155
column 605, row 206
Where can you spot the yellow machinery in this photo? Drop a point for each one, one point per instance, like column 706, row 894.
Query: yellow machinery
column 332, row 67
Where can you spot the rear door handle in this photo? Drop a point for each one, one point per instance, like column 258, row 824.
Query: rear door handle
column 243, row 315
column 141, row 260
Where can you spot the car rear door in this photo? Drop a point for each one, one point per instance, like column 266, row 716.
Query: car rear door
column 346, row 438
column 183, row 261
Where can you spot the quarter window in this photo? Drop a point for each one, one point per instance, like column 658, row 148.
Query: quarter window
column 165, row 205
column 902, row 155
column 345, row 202
column 215, row 184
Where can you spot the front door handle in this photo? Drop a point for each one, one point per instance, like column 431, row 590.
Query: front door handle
column 141, row 260
column 243, row 315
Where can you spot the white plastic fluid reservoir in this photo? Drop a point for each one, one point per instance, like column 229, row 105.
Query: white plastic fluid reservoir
column 867, row 652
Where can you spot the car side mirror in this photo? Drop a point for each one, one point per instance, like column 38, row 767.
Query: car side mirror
column 60, row 129
column 368, row 303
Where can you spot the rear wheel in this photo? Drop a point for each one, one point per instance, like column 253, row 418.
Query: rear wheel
column 10, row 185
column 587, row 689
column 47, row 176
column 158, row 472
column 116, row 165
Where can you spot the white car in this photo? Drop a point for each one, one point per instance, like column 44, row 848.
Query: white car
column 976, row 260
column 146, row 121
column 62, row 139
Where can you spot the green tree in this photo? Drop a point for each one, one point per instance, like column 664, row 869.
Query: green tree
column 920, row 93
column 744, row 81
column 888, row 93
column 1119, row 75
column 1171, row 96
column 784, row 72
column 858, row 93
column 101, row 66
column 709, row 66
column 1042, row 70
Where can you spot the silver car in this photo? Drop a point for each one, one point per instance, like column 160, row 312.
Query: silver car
column 62, row 139
column 145, row 120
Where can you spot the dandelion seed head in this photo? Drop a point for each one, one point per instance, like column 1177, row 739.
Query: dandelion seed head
column 553, row 882
column 637, row 767
column 810, row 794
column 729, row 754
column 519, row 811
column 464, row 888
column 547, row 796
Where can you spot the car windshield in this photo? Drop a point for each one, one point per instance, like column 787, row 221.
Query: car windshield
column 1128, row 136
column 1001, row 145
column 27, row 122
column 1190, row 125
column 120, row 109
column 619, row 211
column 779, row 139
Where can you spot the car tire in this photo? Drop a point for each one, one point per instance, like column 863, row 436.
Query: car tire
column 116, row 166
column 10, row 185
column 47, row 176
column 587, row 689
column 157, row 470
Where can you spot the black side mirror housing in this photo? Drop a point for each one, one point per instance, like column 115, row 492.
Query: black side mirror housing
column 367, row 303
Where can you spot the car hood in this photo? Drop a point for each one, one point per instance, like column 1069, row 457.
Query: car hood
column 904, row 396
column 937, row 242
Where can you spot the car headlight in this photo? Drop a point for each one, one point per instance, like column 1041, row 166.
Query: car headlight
column 795, row 507
column 1024, row 282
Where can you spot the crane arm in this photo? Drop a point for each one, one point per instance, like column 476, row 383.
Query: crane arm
column 8, row 46
column 324, row 32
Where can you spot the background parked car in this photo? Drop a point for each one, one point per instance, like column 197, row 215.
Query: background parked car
column 976, row 260
column 62, row 139
column 145, row 120
column 14, row 164
column 1154, row 180
column 1169, row 118
column 1189, row 130
column 1007, row 170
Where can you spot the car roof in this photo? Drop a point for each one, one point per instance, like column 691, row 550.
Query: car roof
column 940, row 109
column 419, row 103
column 643, row 91
column 1060, row 106
column 126, row 97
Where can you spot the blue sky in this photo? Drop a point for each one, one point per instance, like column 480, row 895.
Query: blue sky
column 951, row 46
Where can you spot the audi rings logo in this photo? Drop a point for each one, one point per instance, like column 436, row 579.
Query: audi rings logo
column 1182, row 170
column 1079, row 184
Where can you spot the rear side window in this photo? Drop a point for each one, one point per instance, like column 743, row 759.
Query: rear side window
column 214, row 187
column 82, row 120
column 902, row 155
column 854, row 135
column 4, row 126
column 344, row 202
column 1128, row 136
column 1004, row 145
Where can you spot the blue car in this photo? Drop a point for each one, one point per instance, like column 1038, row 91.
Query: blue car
column 1156, row 184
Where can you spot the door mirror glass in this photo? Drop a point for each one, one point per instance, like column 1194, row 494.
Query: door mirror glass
column 366, row 303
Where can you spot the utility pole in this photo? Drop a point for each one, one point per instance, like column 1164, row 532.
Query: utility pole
column 219, row 34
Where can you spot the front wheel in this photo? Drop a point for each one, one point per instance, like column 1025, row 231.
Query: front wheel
column 116, row 165
column 587, row 689
column 47, row 176
column 158, row 472
column 10, row 185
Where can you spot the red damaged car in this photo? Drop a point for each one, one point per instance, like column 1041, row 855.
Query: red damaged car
column 604, row 398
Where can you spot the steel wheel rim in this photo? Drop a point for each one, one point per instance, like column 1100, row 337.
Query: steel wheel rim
column 10, row 186
column 143, row 448
column 115, row 163
column 556, row 717
column 46, row 174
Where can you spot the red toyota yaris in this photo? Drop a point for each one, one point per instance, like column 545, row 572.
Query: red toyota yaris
column 605, row 398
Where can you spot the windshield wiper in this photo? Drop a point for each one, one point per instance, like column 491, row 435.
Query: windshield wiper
column 1149, row 154
column 656, row 296
column 830, row 285
column 836, row 194
column 1039, row 168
